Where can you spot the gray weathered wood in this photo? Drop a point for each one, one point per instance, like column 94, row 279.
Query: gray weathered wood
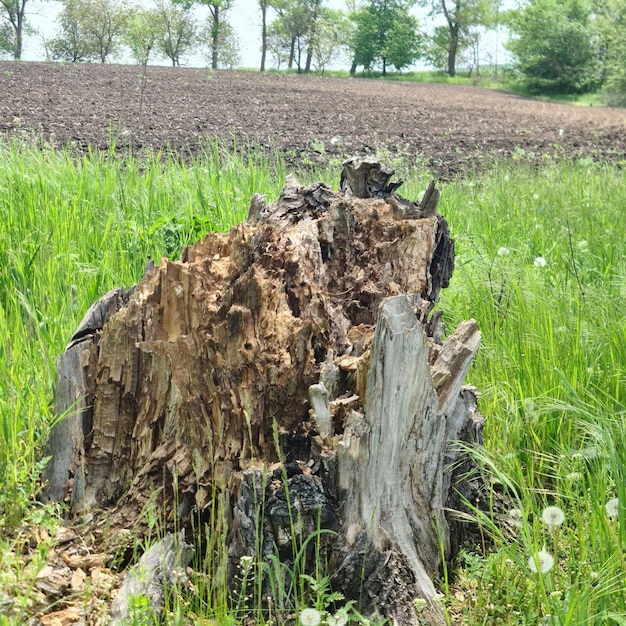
column 160, row 570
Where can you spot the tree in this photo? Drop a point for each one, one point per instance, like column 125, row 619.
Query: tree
column 608, row 27
column 297, row 22
column 104, row 24
column 177, row 30
column 72, row 42
column 554, row 45
column 223, row 46
column 263, row 5
column 332, row 33
column 14, row 14
column 278, row 43
column 89, row 30
column 460, row 16
column 141, row 32
column 217, row 10
column 385, row 32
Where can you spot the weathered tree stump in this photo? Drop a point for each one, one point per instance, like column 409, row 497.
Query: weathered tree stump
column 285, row 377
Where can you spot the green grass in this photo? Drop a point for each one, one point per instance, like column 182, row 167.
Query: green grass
column 551, row 369
column 541, row 266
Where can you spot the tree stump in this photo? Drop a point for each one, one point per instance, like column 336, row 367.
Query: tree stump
column 281, row 380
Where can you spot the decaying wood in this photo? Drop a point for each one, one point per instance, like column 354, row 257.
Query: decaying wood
column 159, row 571
column 285, row 376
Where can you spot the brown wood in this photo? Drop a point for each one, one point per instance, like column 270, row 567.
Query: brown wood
column 283, row 377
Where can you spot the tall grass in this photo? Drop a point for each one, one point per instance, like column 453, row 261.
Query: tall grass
column 540, row 264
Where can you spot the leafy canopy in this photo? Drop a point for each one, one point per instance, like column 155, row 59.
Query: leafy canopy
column 554, row 45
column 385, row 33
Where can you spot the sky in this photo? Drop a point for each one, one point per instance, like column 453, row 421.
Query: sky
column 245, row 17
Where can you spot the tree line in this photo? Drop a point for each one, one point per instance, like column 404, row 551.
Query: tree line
column 555, row 45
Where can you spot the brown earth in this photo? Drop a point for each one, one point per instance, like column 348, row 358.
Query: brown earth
column 309, row 119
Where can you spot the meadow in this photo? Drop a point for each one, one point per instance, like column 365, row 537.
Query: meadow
column 540, row 265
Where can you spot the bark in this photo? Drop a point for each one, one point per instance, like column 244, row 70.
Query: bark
column 283, row 380
column 264, row 5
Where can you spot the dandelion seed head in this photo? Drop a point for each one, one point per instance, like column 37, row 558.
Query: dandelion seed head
column 535, row 196
column 540, row 262
column 503, row 251
column 310, row 617
column 552, row 516
column 340, row 618
column 542, row 562
column 612, row 507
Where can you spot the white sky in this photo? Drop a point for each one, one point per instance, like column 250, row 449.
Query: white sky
column 245, row 17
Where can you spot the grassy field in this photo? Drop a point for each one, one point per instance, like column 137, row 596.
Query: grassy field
column 540, row 264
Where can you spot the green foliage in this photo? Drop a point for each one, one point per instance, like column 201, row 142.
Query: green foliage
column 73, row 42
column 14, row 26
column 296, row 28
column 554, row 46
column 89, row 30
column 177, row 30
column 385, row 33
column 461, row 17
column 331, row 34
column 222, row 44
column 141, row 33
column 218, row 35
column 7, row 39
column 609, row 27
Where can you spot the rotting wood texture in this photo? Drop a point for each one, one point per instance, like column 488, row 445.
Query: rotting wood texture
column 290, row 367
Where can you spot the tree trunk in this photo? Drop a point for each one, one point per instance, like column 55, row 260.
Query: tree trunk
column 292, row 53
column 283, row 380
column 215, row 34
column 263, row 33
column 452, row 50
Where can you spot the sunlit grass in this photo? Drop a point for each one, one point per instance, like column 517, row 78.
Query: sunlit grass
column 540, row 264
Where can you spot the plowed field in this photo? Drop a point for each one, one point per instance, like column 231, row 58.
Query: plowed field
column 309, row 119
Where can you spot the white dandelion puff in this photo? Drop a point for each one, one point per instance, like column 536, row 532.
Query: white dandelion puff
column 612, row 507
column 340, row 618
column 540, row 262
column 553, row 516
column 310, row 617
column 503, row 251
column 542, row 562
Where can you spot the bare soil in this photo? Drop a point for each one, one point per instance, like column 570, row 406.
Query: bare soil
column 308, row 119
